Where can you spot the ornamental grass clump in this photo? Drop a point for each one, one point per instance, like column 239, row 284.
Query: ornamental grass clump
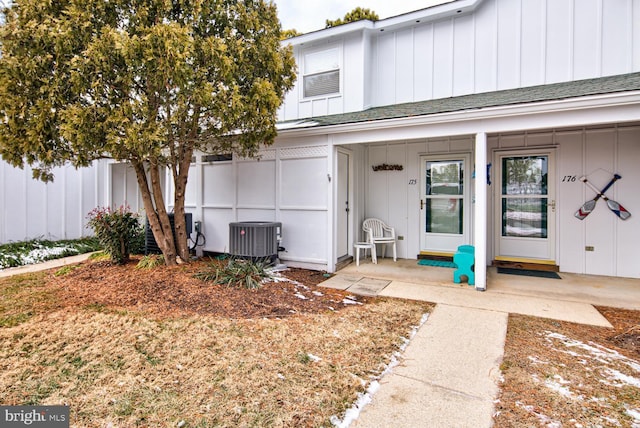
column 236, row 272
column 117, row 231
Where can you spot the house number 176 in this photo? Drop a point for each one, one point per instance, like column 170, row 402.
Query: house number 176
column 568, row 178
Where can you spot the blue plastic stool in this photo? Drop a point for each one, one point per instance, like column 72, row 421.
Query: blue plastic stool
column 464, row 259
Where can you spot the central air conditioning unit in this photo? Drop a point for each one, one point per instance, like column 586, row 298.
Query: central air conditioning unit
column 150, row 244
column 254, row 239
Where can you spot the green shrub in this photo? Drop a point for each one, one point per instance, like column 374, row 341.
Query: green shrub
column 116, row 231
column 150, row 261
column 138, row 240
column 236, row 273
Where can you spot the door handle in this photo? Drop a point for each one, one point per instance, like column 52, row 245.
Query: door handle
column 421, row 204
column 552, row 204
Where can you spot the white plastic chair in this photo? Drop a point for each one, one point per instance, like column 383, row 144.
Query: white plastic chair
column 379, row 233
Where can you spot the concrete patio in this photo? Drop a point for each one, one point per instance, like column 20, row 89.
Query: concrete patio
column 417, row 280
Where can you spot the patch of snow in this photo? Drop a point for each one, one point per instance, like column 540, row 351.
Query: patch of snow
column 314, row 358
column 544, row 419
column 353, row 413
column 561, row 380
column 348, row 301
column 597, row 352
column 634, row 414
column 536, row 360
column 612, row 421
column 633, row 364
column 559, row 385
column 39, row 254
column 317, row 293
column 621, row 378
column 300, row 296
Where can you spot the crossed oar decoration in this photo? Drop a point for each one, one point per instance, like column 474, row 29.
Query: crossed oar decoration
column 589, row 206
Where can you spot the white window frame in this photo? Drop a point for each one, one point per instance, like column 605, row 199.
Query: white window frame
column 339, row 69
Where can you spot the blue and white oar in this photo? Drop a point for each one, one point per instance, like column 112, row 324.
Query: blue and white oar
column 615, row 207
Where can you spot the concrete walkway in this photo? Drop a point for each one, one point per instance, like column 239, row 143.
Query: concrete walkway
column 448, row 375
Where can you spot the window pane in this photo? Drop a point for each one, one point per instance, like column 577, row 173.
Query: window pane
column 524, row 217
column 322, row 84
column 321, row 61
column 444, row 215
column 444, row 178
column 524, row 175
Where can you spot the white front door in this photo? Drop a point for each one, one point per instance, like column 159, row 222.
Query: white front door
column 444, row 204
column 525, row 206
column 343, row 208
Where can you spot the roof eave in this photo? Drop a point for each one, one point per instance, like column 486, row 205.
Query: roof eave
column 433, row 13
column 485, row 113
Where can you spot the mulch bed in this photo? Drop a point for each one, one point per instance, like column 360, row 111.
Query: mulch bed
column 174, row 291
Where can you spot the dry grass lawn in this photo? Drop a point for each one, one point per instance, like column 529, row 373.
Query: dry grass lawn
column 125, row 367
column 559, row 374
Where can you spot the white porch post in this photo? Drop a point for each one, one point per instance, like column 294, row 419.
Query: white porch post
column 480, row 213
column 331, row 212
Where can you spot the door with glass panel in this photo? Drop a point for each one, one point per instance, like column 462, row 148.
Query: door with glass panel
column 525, row 206
column 444, row 204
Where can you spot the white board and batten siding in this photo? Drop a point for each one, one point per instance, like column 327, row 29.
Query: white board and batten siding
column 601, row 244
column 394, row 196
column 506, row 44
column 287, row 184
column 32, row 209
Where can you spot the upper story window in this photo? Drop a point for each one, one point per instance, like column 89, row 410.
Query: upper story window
column 321, row 73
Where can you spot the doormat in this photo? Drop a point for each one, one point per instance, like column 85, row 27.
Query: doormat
column 527, row 272
column 437, row 263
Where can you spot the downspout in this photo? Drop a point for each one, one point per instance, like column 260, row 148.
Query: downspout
column 480, row 213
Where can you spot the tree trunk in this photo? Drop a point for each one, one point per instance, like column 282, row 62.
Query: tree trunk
column 180, row 183
column 155, row 210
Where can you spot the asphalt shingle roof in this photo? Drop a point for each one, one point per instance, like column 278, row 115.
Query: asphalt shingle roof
column 532, row 94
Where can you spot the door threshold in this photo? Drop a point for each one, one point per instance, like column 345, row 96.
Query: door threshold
column 343, row 262
column 528, row 264
column 434, row 255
